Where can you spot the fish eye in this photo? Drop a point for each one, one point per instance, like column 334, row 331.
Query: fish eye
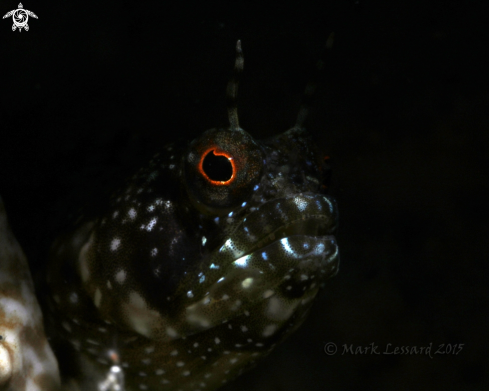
column 221, row 169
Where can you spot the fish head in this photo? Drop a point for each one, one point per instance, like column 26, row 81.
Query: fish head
column 200, row 264
column 215, row 249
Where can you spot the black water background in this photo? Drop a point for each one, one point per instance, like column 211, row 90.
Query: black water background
column 94, row 88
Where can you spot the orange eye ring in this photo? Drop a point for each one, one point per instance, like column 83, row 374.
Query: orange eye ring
column 221, row 169
column 217, row 152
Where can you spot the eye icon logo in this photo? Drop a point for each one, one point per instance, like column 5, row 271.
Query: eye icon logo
column 20, row 16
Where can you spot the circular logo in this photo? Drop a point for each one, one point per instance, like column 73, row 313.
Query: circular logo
column 20, row 17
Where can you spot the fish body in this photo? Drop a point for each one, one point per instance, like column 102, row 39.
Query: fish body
column 26, row 359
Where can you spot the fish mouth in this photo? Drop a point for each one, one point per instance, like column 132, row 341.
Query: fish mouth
column 284, row 249
column 301, row 214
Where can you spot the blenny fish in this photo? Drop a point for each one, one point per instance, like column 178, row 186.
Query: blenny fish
column 201, row 263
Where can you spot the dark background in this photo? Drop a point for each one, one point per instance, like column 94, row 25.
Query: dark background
column 93, row 88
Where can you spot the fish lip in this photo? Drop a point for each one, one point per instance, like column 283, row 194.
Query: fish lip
column 319, row 226
column 323, row 217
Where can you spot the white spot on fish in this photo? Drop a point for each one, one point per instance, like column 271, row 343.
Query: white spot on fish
column 247, row 282
column 115, row 244
column 97, row 298
column 132, row 213
column 268, row 293
column 242, row 262
column 286, row 246
column 136, row 300
column 151, row 224
column 300, row 203
column 269, row 330
column 171, row 332
column 74, row 297
column 120, row 276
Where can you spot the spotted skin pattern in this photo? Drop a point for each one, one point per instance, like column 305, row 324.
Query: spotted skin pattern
column 26, row 359
column 186, row 281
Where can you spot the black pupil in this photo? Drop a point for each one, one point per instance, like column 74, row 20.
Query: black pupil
column 217, row 168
